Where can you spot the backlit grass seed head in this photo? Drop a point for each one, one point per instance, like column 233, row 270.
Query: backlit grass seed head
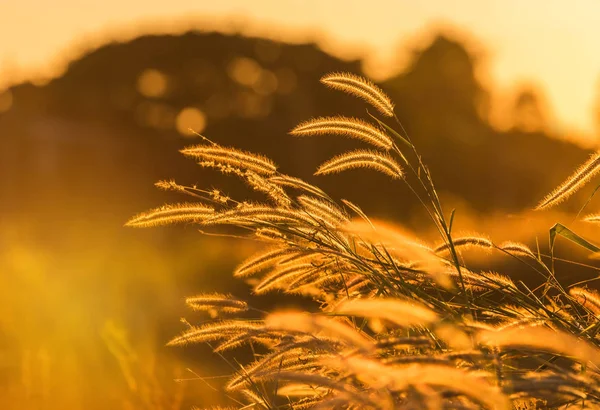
column 398, row 312
column 169, row 185
column 482, row 281
column 297, row 183
column 301, row 390
column 326, row 211
column 231, row 157
column 403, row 341
column 378, row 376
column 497, row 280
column 272, row 190
column 215, row 331
column 169, row 214
column 454, row 337
column 465, row 242
column 219, row 301
column 542, row 339
column 346, row 126
column 579, row 178
column 280, row 278
column 261, row 261
column 517, row 248
column 306, row 323
column 593, row 218
column 329, row 383
column 269, row 367
column 255, row 215
column 270, row 234
column 361, row 88
column 362, row 159
column 588, row 298
column 402, row 245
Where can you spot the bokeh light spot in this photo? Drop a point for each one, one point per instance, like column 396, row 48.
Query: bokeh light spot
column 266, row 84
column 189, row 121
column 244, row 71
column 152, row 83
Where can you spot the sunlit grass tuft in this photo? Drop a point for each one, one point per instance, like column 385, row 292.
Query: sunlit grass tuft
column 399, row 322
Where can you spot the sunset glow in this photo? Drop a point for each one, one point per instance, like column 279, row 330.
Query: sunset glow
column 551, row 44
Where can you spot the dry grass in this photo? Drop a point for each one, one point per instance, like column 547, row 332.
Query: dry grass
column 401, row 323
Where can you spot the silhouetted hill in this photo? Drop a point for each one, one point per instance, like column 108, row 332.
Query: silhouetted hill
column 92, row 142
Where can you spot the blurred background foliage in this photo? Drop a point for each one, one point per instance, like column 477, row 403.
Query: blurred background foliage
column 87, row 305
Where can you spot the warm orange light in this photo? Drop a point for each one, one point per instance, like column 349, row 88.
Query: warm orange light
column 6, row 101
column 190, row 121
column 152, row 83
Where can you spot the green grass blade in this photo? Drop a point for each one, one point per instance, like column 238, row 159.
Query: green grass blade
column 560, row 229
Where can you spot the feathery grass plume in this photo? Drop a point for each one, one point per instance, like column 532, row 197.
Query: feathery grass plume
column 465, row 242
column 225, row 303
column 401, row 313
column 301, row 390
column 517, row 248
column 327, row 211
column 305, row 255
column 280, row 278
column 297, row 183
column 307, row 277
column 588, row 298
column 316, row 285
column 404, row 246
column 169, row 214
column 594, row 218
column 526, row 321
column 414, row 359
column 283, row 359
column 471, row 280
column 231, row 157
column 257, row 214
column 400, row 378
column 273, row 191
column 395, row 341
column 391, row 329
column 347, row 390
column 361, row 88
column 234, row 342
column 214, row 331
column 307, row 323
column 270, row 234
column 316, row 277
column 483, row 281
column 454, row 337
column 501, row 281
column 268, row 368
column 262, row 261
column 552, row 386
column 346, row 126
column 362, row 159
column 169, row 185
column 583, row 174
column 541, row 339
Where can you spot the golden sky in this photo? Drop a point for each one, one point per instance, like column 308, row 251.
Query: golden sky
column 554, row 44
